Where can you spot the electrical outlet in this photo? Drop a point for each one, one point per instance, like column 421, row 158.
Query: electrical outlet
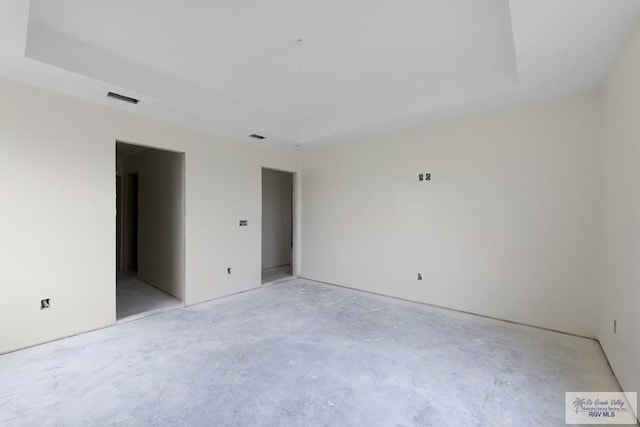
column 615, row 326
column 229, row 270
column 45, row 303
column 419, row 276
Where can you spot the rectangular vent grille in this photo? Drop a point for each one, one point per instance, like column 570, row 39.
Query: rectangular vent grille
column 122, row 98
column 256, row 136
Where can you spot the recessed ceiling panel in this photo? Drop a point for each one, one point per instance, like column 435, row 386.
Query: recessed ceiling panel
column 303, row 73
column 310, row 63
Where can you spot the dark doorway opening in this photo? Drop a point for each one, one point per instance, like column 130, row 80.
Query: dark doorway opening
column 277, row 225
column 150, row 230
column 132, row 224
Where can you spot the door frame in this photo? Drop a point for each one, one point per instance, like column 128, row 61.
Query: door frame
column 126, row 174
column 295, row 215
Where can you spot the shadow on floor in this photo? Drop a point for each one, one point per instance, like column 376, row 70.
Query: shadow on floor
column 276, row 274
column 136, row 299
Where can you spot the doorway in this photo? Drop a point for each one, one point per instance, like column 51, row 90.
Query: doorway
column 150, row 230
column 277, row 225
column 131, row 223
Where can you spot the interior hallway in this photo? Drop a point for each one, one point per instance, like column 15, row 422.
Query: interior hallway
column 302, row 353
column 135, row 298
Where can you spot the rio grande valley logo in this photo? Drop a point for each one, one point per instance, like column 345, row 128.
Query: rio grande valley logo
column 601, row 408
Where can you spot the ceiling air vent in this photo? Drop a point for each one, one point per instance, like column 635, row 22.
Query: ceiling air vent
column 122, row 98
column 256, row 136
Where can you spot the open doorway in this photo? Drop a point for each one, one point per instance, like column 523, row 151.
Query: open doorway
column 277, row 225
column 149, row 230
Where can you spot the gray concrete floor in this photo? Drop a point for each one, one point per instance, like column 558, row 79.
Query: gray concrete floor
column 136, row 299
column 275, row 274
column 300, row 353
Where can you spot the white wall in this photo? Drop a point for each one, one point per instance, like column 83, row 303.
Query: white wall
column 619, row 297
column 505, row 228
column 57, row 176
column 160, row 218
column 161, row 215
column 276, row 218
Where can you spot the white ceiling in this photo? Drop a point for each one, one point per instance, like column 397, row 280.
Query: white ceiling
column 313, row 73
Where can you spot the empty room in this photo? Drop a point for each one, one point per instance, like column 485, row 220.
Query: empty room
column 337, row 213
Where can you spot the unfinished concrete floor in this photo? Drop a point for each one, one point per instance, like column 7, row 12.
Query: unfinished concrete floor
column 302, row 354
column 136, row 299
